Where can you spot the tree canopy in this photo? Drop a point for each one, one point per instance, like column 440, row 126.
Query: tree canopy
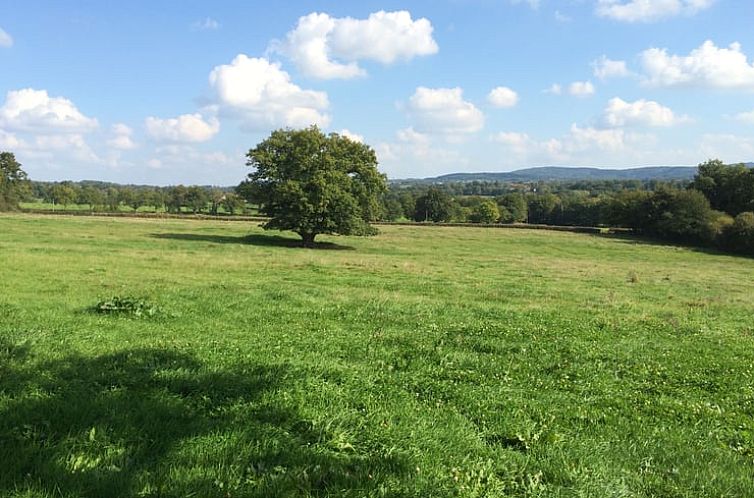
column 13, row 181
column 729, row 188
column 312, row 183
column 435, row 205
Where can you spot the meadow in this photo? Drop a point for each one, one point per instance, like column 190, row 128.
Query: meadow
column 421, row 362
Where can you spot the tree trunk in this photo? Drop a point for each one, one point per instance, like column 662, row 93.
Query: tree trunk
column 307, row 239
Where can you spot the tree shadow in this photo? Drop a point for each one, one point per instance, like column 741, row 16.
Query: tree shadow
column 251, row 239
column 155, row 422
column 646, row 240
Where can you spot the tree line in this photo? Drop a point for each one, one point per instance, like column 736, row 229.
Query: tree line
column 715, row 209
column 101, row 196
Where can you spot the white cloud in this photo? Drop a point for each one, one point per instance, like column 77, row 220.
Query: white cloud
column 502, row 97
column 6, row 40
column 327, row 47
column 555, row 89
column 263, row 96
column 620, row 113
column 580, row 144
column 186, row 128
column 60, row 146
column 411, row 136
column 35, row 111
column 580, row 139
column 121, row 137
column 206, row 24
column 745, row 117
column 727, row 147
column 413, row 154
column 706, row 66
column 581, row 88
column 351, row 136
column 520, row 144
column 605, row 68
column 649, row 10
column 11, row 141
column 443, row 111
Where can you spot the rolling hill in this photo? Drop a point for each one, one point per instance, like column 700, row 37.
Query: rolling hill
column 565, row 173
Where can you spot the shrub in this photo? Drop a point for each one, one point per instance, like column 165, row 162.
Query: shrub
column 739, row 236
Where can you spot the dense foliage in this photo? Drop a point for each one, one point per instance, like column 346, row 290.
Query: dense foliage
column 312, row 183
column 13, row 182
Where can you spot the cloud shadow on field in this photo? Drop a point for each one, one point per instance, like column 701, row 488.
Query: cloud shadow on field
column 157, row 422
column 252, row 239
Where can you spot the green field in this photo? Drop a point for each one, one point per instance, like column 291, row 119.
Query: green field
column 421, row 362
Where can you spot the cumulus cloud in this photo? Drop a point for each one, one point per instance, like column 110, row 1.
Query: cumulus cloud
column 649, row 10
column 6, row 40
column 581, row 143
column 10, row 141
column 35, row 111
column 263, row 96
column 326, row 47
column 414, row 154
column 502, row 97
column 581, row 89
column 706, row 66
column 605, row 68
column 57, row 147
column 351, row 135
column 443, row 111
column 411, row 136
column 620, row 113
column 188, row 128
column 121, row 138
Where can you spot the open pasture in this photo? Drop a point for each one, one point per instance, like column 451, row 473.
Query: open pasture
column 422, row 362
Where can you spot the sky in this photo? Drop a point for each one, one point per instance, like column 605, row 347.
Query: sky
column 166, row 92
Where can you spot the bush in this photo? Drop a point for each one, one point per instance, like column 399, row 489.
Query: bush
column 680, row 215
column 739, row 236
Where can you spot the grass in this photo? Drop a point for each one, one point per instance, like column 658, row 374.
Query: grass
column 422, row 362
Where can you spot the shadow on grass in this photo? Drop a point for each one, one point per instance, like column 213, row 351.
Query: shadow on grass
column 154, row 422
column 252, row 239
column 646, row 240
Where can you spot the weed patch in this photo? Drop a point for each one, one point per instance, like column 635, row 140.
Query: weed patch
column 127, row 306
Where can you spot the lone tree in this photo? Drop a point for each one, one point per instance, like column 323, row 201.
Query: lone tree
column 312, row 183
column 13, row 182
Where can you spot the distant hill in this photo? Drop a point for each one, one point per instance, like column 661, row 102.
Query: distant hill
column 564, row 173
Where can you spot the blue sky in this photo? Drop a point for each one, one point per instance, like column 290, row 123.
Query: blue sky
column 167, row 92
